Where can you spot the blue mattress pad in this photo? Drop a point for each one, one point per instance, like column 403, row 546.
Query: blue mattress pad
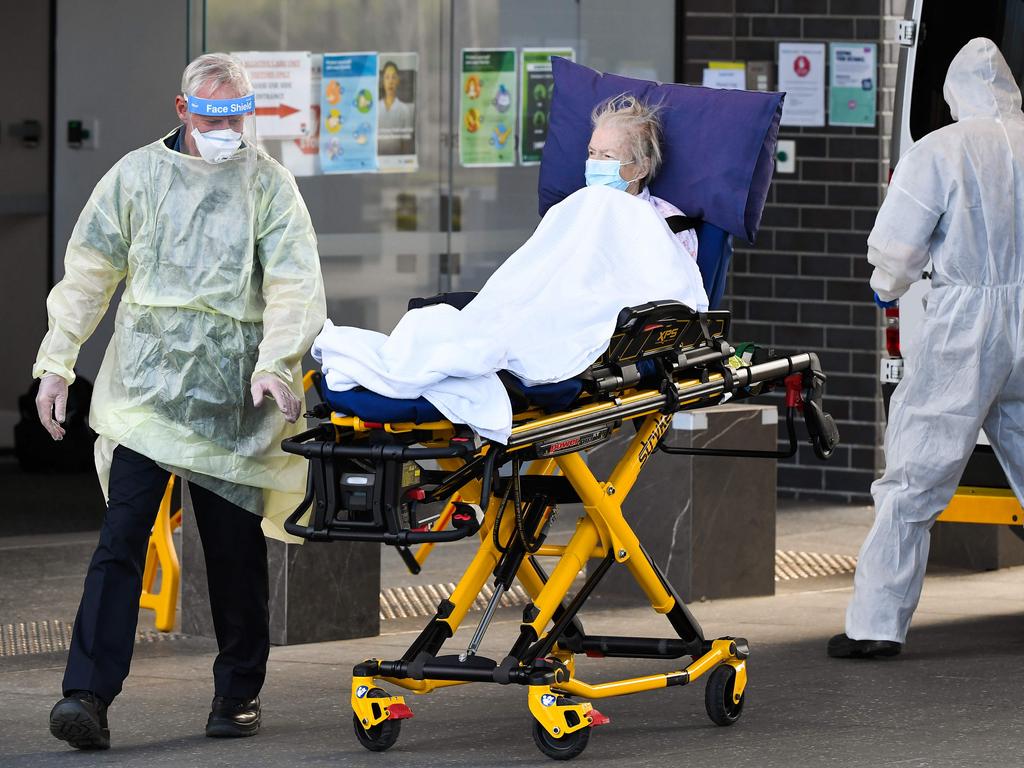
column 372, row 407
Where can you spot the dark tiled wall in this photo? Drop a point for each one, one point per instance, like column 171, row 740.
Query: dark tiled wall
column 804, row 284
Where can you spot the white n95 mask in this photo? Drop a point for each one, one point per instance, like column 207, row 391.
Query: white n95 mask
column 217, row 146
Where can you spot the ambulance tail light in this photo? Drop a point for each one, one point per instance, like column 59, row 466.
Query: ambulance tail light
column 892, row 331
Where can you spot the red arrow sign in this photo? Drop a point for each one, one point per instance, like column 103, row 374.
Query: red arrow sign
column 281, row 110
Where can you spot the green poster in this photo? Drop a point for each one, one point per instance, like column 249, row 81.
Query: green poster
column 487, row 107
column 538, row 84
column 853, row 84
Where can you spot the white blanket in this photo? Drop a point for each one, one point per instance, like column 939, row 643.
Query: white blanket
column 545, row 315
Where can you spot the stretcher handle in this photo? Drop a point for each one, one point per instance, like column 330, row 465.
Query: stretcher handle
column 740, row 453
column 306, row 444
column 402, row 538
column 820, row 425
column 291, row 523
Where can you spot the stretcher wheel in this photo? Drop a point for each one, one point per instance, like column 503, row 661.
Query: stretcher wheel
column 560, row 748
column 718, row 696
column 381, row 736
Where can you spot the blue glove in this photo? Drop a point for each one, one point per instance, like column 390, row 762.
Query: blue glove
column 885, row 304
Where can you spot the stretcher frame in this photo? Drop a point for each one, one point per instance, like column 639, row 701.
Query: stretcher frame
column 162, row 558
column 545, row 453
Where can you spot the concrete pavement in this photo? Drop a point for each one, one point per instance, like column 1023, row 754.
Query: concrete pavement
column 950, row 700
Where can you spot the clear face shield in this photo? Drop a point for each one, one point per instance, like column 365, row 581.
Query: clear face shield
column 223, row 129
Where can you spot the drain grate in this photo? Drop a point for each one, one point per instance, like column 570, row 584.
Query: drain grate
column 30, row 637
column 791, row 565
column 422, row 599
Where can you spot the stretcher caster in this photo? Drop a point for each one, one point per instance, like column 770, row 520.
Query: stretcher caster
column 719, row 699
column 379, row 737
column 564, row 747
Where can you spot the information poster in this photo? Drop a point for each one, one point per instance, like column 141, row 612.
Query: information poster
column 538, row 86
column 302, row 156
column 396, row 111
column 727, row 75
column 852, row 84
column 487, row 109
column 348, row 113
column 281, row 84
column 802, row 77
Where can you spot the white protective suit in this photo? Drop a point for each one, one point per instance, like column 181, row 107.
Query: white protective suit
column 222, row 285
column 545, row 315
column 958, row 198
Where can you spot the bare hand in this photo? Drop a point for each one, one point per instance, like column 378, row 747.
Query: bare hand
column 52, row 404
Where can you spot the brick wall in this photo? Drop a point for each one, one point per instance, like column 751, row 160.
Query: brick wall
column 804, row 284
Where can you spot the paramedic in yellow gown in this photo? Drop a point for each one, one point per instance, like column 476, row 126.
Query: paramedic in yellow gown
column 222, row 296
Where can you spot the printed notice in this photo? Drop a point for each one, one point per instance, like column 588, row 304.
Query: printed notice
column 802, row 77
column 301, row 156
column 280, row 82
column 487, row 113
column 396, row 111
column 537, row 87
column 852, row 84
column 348, row 113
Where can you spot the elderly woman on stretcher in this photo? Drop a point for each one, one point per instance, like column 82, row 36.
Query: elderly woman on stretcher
column 549, row 311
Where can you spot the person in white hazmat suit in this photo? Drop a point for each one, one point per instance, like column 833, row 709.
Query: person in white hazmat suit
column 957, row 197
column 223, row 295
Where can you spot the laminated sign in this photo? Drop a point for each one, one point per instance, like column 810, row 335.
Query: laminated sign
column 487, row 124
column 538, row 86
column 348, row 113
column 852, row 85
column 281, row 82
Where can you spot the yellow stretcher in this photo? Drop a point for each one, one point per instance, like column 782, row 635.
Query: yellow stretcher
column 162, row 558
column 418, row 484
column 993, row 506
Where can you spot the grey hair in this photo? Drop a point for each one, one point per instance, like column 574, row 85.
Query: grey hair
column 215, row 69
column 641, row 124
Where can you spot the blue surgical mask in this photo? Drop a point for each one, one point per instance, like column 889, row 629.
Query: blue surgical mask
column 606, row 173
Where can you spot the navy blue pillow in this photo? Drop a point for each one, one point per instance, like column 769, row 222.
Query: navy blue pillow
column 718, row 147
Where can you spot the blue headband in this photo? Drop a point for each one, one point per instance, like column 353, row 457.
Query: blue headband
column 221, row 107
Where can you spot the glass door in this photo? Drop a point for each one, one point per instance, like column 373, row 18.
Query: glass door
column 381, row 233
column 497, row 206
column 469, row 199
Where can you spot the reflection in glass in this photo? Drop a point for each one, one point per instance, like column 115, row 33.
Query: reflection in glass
column 384, row 237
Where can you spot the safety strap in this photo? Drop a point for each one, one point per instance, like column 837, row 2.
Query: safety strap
column 679, row 223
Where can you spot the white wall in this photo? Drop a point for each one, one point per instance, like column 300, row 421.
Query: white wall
column 119, row 62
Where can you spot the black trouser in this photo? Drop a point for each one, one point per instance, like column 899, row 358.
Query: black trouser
column 236, row 573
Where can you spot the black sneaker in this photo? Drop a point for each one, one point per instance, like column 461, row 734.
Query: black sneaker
column 842, row 647
column 80, row 719
column 233, row 717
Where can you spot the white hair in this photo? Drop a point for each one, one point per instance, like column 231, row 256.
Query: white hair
column 641, row 125
column 216, row 69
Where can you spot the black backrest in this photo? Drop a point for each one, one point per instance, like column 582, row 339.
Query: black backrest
column 661, row 327
column 654, row 339
column 457, row 299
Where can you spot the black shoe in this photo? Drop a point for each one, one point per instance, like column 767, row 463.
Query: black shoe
column 233, row 717
column 80, row 719
column 842, row 647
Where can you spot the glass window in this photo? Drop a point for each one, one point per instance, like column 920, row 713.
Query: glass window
column 386, row 237
column 940, row 39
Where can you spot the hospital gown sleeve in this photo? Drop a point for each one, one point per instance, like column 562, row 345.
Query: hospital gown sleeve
column 898, row 246
column 95, row 262
column 293, row 288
